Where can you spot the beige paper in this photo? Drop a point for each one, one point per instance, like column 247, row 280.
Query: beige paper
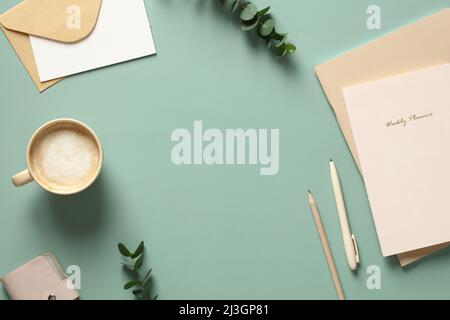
column 46, row 19
column 420, row 45
column 401, row 127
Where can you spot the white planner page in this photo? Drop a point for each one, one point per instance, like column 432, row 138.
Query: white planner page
column 401, row 127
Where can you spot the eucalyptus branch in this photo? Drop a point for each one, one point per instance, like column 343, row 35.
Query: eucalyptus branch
column 251, row 18
column 135, row 259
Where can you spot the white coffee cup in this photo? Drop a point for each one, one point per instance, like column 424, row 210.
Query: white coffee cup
column 64, row 157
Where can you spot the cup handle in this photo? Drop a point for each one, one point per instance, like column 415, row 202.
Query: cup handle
column 22, row 178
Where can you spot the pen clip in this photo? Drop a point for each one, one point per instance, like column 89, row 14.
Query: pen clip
column 355, row 246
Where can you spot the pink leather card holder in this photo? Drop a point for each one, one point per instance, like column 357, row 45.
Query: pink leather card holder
column 39, row 279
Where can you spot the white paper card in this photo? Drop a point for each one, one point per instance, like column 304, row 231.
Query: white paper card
column 401, row 127
column 122, row 33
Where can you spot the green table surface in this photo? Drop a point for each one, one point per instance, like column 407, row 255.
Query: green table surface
column 211, row 232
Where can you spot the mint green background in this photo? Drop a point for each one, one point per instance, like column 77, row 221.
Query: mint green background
column 211, row 232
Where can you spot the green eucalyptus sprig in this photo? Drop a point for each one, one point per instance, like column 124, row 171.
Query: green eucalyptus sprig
column 141, row 285
column 261, row 20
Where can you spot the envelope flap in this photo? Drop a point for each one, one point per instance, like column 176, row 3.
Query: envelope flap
column 60, row 20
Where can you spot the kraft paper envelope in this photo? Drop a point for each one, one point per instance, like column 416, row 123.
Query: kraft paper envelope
column 46, row 19
column 423, row 44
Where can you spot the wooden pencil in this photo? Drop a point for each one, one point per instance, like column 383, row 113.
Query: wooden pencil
column 326, row 246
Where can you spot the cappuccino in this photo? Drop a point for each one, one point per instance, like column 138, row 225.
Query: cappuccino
column 65, row 158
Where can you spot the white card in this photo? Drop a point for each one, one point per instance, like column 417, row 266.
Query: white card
column 122, row 33
column 401, row 127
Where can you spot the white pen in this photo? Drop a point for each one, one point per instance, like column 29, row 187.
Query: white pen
column 350, row 246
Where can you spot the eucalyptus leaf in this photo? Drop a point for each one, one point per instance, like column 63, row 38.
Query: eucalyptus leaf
column 267, row 28
column 124, row 250
column 249, row 12
column 138, row 251
column 263, row 11
column 285, row 49
column 131, row 284
column 290, row 48
column 142, row 286
column 138, row 263
column 282, row 41
column 280, row 51
column 251, row 26
column 260, row 20
column 235, row 5
column 148, row 274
